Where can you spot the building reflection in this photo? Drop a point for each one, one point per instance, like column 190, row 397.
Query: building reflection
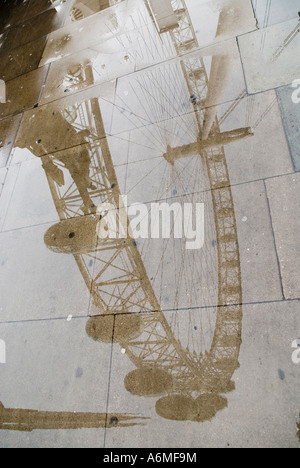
column 29, row 420
column 83, row 8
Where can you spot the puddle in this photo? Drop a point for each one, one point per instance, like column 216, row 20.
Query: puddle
column 174, row 316
column 8, row 131
column 187, row 378
column 21, row 60
column 22, row 92
column 81, row 9
column 130, row 20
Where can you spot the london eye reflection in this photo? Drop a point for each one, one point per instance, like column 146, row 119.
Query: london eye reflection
column 188, row 379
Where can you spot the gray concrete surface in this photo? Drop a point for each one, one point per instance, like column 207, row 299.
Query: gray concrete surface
column 140, row 342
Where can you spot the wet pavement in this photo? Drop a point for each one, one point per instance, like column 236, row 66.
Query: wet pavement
column 143, row 342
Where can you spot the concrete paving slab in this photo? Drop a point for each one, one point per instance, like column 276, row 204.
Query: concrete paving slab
column 54, row 385
column 168, row 273
column 65, row 123
column 81, row 9
column 40, row 282
column 7, row 184
column 68, row 184
column 138, row 95
column 23, row 92
column 232, row 260
column 283, row 194
column 36, row 7
column 8, row 132
column 269, row 12
column 31, row 183
column 260, row 270
column 80, row 35
column 27, row 10
column 210, row 24
column 263, row 394
column 33, row 28
column 88, row 68
column 289, row 103
column 170, row 157
column 22, row 59
column 266, row 153
column 277, row 47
